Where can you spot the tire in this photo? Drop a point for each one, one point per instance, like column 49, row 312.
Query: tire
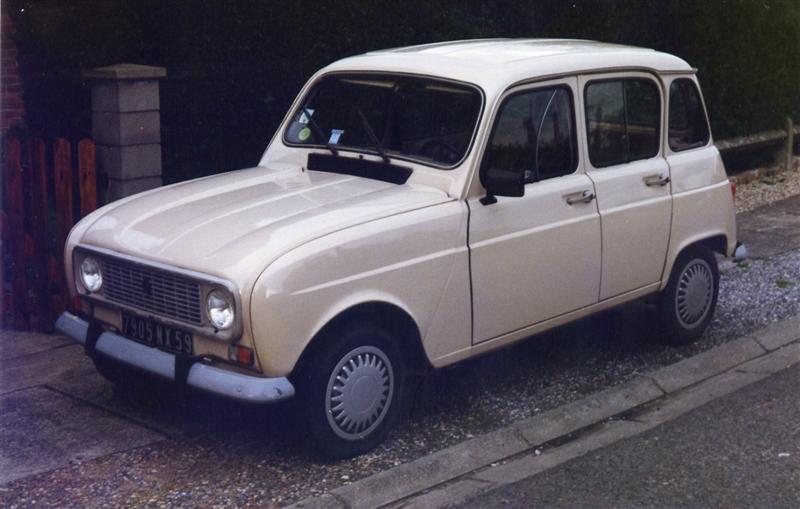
column 352, row 391
column 687, row 304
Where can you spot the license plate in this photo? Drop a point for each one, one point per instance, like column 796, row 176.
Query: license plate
column 157, row 335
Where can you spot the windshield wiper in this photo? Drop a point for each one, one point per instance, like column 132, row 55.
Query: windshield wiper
column 317, row 129
column 373, row 137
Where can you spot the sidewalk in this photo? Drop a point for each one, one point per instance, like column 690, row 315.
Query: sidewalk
column 742, row 450
column 771, row 230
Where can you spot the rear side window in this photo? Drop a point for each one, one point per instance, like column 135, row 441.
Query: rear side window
column 687, row 118
column 622, row 119
column 534, row 134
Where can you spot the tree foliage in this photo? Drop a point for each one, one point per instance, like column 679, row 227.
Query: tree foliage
column 234, row 66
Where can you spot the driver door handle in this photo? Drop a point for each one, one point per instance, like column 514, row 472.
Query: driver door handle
column 579, row 197
column 658, row 179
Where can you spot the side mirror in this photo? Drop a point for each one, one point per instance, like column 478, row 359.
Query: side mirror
column 502, row 183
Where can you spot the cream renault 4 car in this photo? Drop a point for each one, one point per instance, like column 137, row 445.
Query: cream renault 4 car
column 417, row 207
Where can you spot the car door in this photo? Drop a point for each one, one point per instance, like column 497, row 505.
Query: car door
column 536, row 256
column 691, row 158
column 623, row 113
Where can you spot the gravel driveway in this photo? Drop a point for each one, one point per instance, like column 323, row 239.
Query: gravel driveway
column 225, row 454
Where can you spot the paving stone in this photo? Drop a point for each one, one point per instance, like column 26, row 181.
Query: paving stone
column 778, row 360
column 454, row 494
column 431, row 470
column 42, row 430
column 699, row 367
column 42, row 367
column 532, row 464
column 599, row 406
column 699, row 395
column 17, row 344
column 779, row 334
column 159, row 409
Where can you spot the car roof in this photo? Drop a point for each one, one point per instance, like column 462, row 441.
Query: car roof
column 498, row 63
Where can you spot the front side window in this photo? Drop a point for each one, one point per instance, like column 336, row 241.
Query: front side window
column 622, row 120
column 424, row 119
column 534, row 134
column 687, row 117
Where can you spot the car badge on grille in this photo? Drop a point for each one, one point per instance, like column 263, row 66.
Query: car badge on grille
column 147, row 287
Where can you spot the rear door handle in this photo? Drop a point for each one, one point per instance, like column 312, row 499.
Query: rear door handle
column 580, row 197
column 659, row 179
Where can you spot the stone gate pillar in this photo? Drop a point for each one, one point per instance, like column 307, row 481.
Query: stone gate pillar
column 126, row 127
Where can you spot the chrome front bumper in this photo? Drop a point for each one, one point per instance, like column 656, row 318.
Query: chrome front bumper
column 200, row 376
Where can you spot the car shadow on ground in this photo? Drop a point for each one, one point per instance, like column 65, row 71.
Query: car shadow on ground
column 449, row 404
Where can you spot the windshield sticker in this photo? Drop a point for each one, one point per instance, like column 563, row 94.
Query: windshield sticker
column 303, row 118
column 304, row 134
column 335, row 135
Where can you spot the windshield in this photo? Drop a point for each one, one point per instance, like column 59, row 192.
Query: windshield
column 394, row 116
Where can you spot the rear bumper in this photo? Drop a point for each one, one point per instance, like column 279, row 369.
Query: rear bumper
column 740, row 253
column 200, row 376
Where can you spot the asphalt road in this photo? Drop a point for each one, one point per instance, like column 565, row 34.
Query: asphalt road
column 739, row 451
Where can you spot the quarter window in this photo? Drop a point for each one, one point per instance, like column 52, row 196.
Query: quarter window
column 623, row 118
column 535, row 135
column 687, row 118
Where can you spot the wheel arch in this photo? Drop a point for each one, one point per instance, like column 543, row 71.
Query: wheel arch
column 717, row 243
column 390, row 317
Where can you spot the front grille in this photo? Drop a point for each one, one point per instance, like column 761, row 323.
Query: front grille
column 158, row 291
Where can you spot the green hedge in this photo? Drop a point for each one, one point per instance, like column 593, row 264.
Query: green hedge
column 235, row 65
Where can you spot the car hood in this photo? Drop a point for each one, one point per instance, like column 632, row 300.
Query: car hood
column 234, row 223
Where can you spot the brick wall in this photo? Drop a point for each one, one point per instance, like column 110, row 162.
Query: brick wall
column 13, row 109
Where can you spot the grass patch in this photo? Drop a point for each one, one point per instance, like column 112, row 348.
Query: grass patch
column 783, row 282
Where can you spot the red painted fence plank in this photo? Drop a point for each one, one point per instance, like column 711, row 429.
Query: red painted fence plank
column 38, row 283
column 40, row 216
column 3, row 243
column 12, row 166
column 87, row 176
column 62, row 171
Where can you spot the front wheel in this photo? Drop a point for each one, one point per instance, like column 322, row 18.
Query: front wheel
column 687, row 304
column 353, row 390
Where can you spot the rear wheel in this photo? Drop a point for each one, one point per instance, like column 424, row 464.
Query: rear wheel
column 687, row 304
column 353, row 391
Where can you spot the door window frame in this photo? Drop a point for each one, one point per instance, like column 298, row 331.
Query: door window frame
column 574, row 134
column 572, row 84
column 591, row 78
column 668, row 86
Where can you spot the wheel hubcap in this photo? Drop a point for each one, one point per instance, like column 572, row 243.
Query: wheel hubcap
column 694, row 293
column 359, row 392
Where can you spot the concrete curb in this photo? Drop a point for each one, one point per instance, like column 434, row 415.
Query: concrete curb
column 448, row 475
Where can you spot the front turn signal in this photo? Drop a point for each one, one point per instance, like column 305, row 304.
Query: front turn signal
column 240, row 355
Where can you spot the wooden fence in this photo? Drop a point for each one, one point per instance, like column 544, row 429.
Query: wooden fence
column 41, row 203
column 784, row 139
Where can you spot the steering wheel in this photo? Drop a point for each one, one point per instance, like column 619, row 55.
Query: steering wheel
column 440, row 151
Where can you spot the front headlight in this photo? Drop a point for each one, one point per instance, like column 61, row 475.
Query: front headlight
column 91, row 277
column 220, row 309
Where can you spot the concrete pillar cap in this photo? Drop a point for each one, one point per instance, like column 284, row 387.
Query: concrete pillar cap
column 126, row 71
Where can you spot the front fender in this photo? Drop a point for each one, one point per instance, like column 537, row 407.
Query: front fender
column 416, row 261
